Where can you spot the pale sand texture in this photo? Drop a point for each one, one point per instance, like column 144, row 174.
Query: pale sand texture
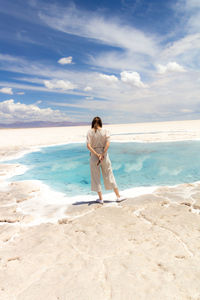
column 147, row 247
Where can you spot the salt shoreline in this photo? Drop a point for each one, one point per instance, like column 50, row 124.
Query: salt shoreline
column 146, row 246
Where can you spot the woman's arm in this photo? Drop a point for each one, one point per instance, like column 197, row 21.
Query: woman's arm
column 92, row 150
column 106, row 147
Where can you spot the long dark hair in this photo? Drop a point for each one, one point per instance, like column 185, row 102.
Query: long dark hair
column 96, row 122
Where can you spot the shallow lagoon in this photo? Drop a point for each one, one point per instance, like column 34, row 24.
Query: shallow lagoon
column 66, row 168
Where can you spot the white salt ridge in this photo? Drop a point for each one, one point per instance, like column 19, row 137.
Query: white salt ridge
column 18, row 170
column 21, row 153
column 48, row 205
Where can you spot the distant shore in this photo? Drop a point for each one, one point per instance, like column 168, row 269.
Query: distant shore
column 16, row 140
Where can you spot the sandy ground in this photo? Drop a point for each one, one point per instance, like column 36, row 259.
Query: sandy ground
column 146, row 247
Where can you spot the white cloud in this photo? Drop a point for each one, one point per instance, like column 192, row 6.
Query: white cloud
column 6, row 90
column 87, row 104
column 170, row 67
column 136, row 46
column 57, row 76
column 38, row 102
column 108, row 78
column 88, row 89
column 174, row 90
column 65, row 60
column 105, row 30
column 192, row 4
column 186, row 110
column 163, row 100
column 185, row 50
column 182, row 46
column 59, row 84
column 191, row 10
column 20, row 93
column 132, row 78
column 10, row 58
column 114, row 60
column 17, row 112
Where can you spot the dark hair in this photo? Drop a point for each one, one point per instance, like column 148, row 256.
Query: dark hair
column 96, row 122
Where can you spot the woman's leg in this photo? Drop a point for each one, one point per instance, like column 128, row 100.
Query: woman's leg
column 116, row 192
column 100, row 195
column 108, row 177
column 95, row 174
column 96, row 178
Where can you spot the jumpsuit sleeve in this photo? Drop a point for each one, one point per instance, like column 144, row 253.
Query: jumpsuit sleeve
column 88, row 138
column 107, row 136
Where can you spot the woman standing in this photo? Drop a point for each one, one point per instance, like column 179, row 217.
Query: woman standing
column 98, row 142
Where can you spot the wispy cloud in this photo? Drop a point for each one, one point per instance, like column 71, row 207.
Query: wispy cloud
column 121, row 60
column 129, row 46
column 186, row 44
column 94, row 26
column 191, row 11
column 183, row 46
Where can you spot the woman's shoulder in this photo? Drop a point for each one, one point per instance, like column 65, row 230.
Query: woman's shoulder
column 105, row 131
column 90, row 130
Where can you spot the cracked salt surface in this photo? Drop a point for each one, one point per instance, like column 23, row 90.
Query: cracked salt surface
column 153, row 223
column 9, row 240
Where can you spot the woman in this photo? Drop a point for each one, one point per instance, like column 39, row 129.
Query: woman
column 98, row 142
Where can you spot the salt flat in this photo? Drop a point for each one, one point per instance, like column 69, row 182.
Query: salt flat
column 13, row 140
column 147, row 247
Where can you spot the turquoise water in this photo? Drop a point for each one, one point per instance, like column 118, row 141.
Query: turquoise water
column 66, row 168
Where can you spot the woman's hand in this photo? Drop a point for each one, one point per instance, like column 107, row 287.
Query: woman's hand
column 101, row 157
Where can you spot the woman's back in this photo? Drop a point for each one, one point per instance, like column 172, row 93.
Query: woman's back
column 98, row 138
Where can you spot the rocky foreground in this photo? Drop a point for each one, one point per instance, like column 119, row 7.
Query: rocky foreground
column 142, row 248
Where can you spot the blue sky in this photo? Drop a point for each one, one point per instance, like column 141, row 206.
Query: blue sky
column 126, row 61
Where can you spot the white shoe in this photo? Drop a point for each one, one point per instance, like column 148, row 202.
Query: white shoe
column 121, row 198
column 99, row 201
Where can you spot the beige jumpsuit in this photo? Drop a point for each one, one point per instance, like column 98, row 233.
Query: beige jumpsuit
column 98, row 141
